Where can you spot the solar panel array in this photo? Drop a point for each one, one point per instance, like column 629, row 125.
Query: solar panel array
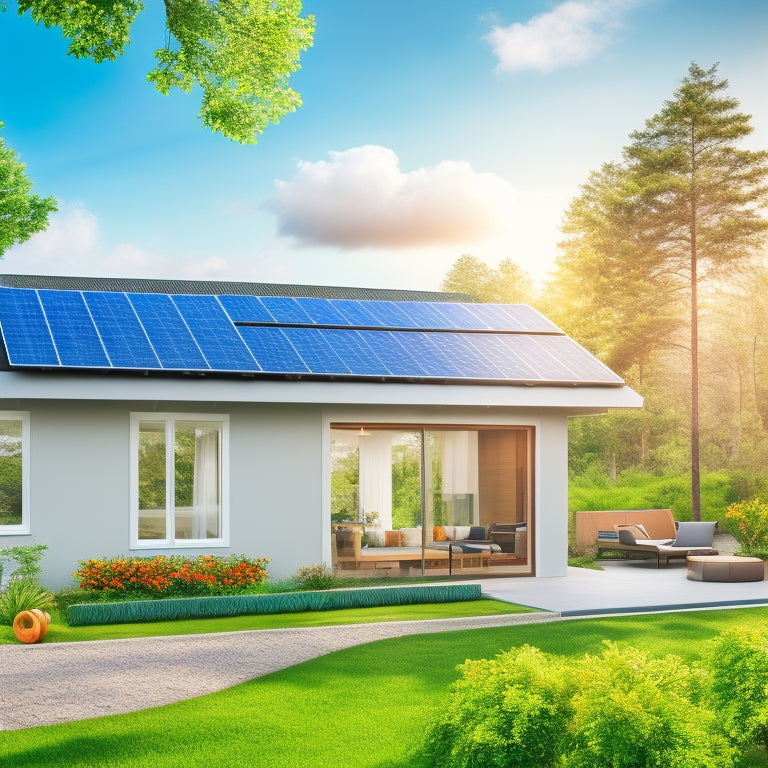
column 306, row 337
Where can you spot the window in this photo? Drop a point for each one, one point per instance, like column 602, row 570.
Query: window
column 14, row 473
column 179, row 480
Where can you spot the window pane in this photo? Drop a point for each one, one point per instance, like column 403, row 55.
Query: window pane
column 197, row 478
column 152, row 504
column 10, row 472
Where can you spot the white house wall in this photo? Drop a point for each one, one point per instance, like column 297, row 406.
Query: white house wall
column 279, row 477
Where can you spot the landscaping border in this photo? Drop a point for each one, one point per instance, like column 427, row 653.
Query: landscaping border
column 85, row 614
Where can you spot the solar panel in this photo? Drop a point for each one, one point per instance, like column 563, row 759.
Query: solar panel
column 245, row 309
column 354, row 352
column 315, row 351
column 286, row 310
column 390, row 314
column 72, row 329
column 25, row 329
column 291, row 336
column 272, row 350
column 167, row 332
column 356, row 313
column 214, row 333
column 120, row 330
column 322, row 311
column 429, row 355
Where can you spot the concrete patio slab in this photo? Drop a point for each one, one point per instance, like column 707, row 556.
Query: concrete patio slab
column 625, row 586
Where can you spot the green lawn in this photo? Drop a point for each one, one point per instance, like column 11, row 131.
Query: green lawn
column 60, row 631
column 365, row 707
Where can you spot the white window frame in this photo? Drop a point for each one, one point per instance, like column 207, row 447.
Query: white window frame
column 24, row 528
column 171, row 542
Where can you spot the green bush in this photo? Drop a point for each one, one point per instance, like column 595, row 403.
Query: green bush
column 631, row 711
column 512, row 711
column 23, row 595
column 620, row 709
column 749, row 524
column 737, row 683
column 27, row 559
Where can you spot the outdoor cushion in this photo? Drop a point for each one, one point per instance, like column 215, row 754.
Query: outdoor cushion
column 411, row 537
column 630, row 533
column 438, row 533
column 450, row 532
column 698, row 534
column 476, row 533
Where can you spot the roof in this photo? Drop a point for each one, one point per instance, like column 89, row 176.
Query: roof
column 232, row 288
column 218, row 329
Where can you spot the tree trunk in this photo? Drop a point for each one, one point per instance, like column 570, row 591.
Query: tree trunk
column 695, row 465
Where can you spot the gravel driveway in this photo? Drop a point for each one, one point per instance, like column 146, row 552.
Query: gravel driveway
column 61, row 682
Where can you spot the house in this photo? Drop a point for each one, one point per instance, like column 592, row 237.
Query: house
column 378, row 431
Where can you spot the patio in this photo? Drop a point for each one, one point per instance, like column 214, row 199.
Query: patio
column 628, row 586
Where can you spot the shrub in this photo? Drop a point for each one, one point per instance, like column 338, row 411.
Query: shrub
column 750, row 527
column 174, row 576
column 316, row 577
column 737, row 684
column 631, row 711
column 508, row 712
column 23, row 595
column 620, row 709
column 28, row 559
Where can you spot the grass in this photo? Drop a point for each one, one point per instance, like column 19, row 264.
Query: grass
column 59, row 631
column 366, row 706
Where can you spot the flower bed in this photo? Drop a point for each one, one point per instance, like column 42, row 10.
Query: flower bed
column 175, row 576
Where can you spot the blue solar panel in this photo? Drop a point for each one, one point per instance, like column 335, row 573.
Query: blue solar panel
column 390, row 314
column 528, row 318
column 167, row 332
column 582, row 366
column 25, row 329
column 500, row 349
column 537, row 354
column 73, row 331
column 397, row 358
column 431, row 359
column 322, row 311
column 461, row 316
column 495, row 317
column 426, row 315
column 215, row 335
column 315, row 351
column 286, row 310
column 121, row 333
column 354, row 352
column 272, row 350
column 246, row 309
column 467, row 358
column 356, row 313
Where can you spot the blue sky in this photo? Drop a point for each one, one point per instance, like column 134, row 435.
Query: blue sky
column 429, row 129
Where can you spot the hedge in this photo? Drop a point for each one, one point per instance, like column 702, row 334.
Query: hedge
column 85, row 614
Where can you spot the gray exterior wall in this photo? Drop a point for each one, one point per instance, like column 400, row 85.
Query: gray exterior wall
column 279, row 498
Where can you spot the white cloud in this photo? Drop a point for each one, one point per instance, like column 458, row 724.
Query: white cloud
column 571, row 33
column 72, row 245
column 361, row 198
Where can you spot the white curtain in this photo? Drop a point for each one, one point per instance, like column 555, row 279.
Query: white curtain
column 205, row 491
column 376, row 477
column 459, row 458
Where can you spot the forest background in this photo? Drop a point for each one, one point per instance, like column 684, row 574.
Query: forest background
column 662, row 274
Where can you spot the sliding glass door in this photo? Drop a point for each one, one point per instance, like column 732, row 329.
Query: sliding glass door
column 431, row 499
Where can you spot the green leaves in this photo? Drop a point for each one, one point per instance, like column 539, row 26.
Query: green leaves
column 21, row 213
column 239, row 52
column 98, row 29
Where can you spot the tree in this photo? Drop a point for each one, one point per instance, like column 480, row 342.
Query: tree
column 240, row 52
column 701, row 194
column 683, row 206
column 21, row 213
column 507, row 284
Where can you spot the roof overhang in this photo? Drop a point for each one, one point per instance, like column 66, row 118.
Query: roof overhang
column 571, row 399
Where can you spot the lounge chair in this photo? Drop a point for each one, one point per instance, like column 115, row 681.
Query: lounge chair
column 693, row 538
